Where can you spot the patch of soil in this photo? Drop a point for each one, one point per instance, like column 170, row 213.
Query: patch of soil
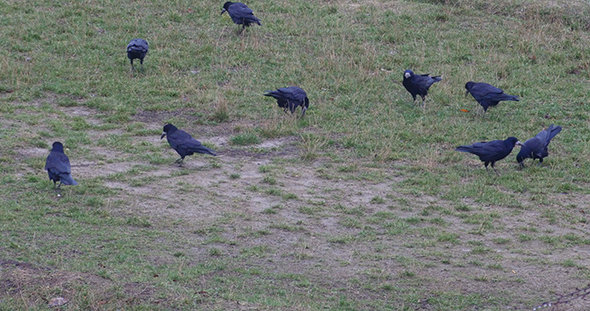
column 40, row 284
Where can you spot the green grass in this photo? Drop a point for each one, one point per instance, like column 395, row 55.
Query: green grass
column 357, row 206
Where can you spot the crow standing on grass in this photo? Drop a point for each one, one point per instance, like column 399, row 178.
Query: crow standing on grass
column 289, row 98
column 418, row 84
column 58, row 166
column 490, row 152
column 183, row 143
column 137, row 48
column 487, row 95
column 536, row 147
column 240, row 13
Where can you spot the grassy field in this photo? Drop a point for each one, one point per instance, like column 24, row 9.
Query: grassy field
column 361, row 205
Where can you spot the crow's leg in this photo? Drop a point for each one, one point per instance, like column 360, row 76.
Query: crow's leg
column 303, row 109
column 179, row 161
column 58, row 188
column 483, row 115
column 495, row 169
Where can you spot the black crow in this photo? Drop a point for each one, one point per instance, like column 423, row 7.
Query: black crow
column 183, row 143
column 536, row 147
column 487, row 95
column 289, row 98
column 58, row 166
column 240, row 13
column 418, row 85
column 490, row 152
column 137, row 48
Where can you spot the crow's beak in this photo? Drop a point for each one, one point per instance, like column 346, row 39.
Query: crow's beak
column 223, row 11
column 518, row 143
column 163, row 134
column 466, row 93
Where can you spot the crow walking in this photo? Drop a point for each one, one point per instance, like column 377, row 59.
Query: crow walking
column 490, row 152
column 487, row 95
column 241, row 14
column 183, row 143
column 289, row 98
column 536, row 147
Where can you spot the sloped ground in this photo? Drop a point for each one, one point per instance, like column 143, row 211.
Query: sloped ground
column 320, row 226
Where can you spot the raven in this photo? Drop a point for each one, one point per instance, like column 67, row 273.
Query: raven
column 289, row 98
column 183, row 143
column 536, row 147
column 137, row 48
column 487, row 95
column 240, row 13
column 490, row 152
column 418, row 85
column 58, row 166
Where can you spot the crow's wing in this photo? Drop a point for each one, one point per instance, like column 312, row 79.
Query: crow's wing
column 240, row 9
column 426, row 80
column 552, row 130
column 58, row 163
column 487, row 151
column 536, row 143
column 293, row 94
column 484, row 91
column 180, row 139
column 240, row 12
column 138, row 45
column 279, row 96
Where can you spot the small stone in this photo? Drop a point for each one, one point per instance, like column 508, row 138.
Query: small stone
column 56, row 302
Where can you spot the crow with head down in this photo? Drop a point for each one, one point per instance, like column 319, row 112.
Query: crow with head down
column 487, row 95
column 289, row 98
column 137, row 48
column 241, row 14
column 183, row 143
column 536, row 147
column 490, row 152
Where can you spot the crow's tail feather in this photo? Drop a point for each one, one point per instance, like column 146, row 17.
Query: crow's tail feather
column 553, row 130
column 270, row 93
column 67, row 179
column 464, row 149
column 203, row 149
column 508, row 97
